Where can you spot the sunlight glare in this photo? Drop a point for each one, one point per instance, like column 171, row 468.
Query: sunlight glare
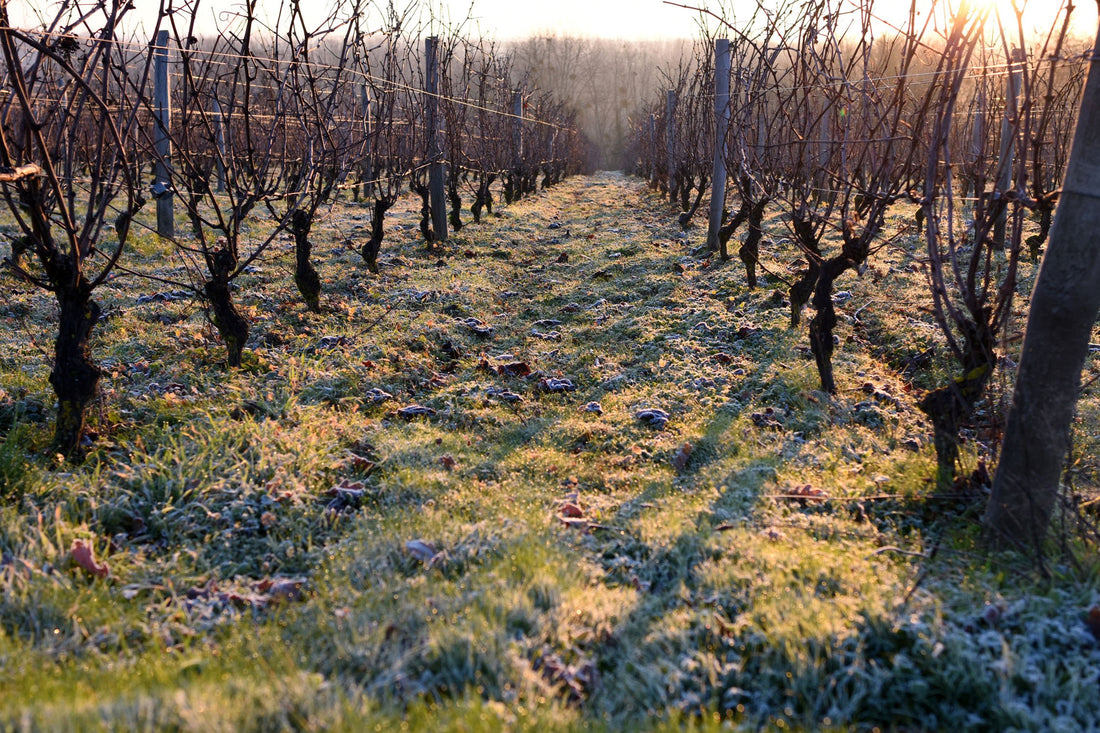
column 1037, row 16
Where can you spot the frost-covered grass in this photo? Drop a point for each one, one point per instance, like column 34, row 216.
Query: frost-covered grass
column 286, row 550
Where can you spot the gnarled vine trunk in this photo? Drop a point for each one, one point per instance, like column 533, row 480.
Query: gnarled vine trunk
column 750, row 249
column 377, row 232
column 950, row 406
column 231, row 325
column 426, row 230
column 75, row 375
column 305, row 274
column 483, row 199
column 455, row 200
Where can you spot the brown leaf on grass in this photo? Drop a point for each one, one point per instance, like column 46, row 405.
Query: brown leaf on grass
column 84, row 556
column 355, row 462
column 569, row 509
column 345, row 495
column 1092, row 621
column 280, row 590
column 448, row 462
column 682, row 456
column 514, row 369
column 807, row 493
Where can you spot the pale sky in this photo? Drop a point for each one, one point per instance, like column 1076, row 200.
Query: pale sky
column 629, row 19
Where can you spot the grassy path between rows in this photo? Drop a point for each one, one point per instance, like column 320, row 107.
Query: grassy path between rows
column 558, row 474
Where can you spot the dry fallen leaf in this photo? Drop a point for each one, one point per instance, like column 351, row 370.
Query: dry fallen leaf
column 680, row 459
column 570, row 509
column 84, row 556
column 1092, row 620
column 279, row 590
column 514, row 369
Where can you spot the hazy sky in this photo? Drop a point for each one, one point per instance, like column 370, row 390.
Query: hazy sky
column 611, row 18
column 606, row 18
column 655, row 19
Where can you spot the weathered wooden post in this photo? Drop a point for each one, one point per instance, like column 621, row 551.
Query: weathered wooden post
column 722, row 120
column 651, row 154
column 363, row 188
column 436, row 173
column 670, row 143
column 517, row 128
column 1064, row 305
column 162, row 141
column 1006, row 161
column 219, row 141
column 977, row 142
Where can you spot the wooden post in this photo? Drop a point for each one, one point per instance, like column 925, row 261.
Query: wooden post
column 1063, row 311
column 651, row 154
column 219, row 141
column 977, row 149
column 722, row 120
column 517, row 129
column 361, row 187
column 162, row 141
column 670, row 142
column 1006, row 161
column 436, row 172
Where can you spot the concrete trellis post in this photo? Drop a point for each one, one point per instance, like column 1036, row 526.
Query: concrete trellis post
column 1006, row 161
column 670, row 143
column 219, row 141
column 162, row 141
column 436, row 172
column 517, row 130
column 722, row 120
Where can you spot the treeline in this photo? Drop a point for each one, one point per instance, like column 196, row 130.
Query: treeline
column 605, row 80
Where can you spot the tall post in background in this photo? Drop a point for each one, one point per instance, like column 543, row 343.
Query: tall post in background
column 651, row 154
column 436, row 192
column 219, row 141
column 670, row 143
column 1007, row 160
column 162, row 141
column 1060, row 322
column 722, row 121
column 517, row 129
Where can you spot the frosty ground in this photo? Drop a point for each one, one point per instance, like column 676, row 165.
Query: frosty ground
column 563, row 471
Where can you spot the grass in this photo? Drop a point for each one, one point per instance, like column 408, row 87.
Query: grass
column 286, row 550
